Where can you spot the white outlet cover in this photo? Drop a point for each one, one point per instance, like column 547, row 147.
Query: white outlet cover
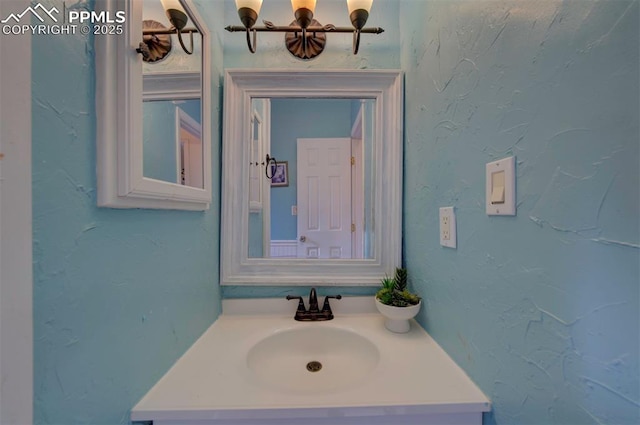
column 448, row 212
column 504, row 170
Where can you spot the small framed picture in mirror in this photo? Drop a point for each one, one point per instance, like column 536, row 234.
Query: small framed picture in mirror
column 280, row 173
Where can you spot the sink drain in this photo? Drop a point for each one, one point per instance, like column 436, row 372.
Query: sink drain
column 314, row 366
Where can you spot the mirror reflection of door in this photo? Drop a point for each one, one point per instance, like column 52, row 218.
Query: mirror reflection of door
column 171, row 152
column 189, row 136
column 324, row 198
column 167, row 126
column 341, row 200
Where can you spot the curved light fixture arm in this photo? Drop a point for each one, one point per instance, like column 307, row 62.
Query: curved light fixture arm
column 252, row 46
column 356, row 41
column 187, row 51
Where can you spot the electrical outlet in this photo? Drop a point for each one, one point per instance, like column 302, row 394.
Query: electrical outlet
column 447, row 227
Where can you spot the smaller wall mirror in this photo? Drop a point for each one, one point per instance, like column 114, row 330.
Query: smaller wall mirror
column 331, row 214
column 153, row 102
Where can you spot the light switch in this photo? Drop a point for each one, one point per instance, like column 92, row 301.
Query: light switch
column 501, row 187
column 497, row 188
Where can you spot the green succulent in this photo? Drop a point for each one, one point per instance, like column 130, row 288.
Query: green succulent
column 394, row 291
column 400, row 279
column 385, row 294
column 388, row 283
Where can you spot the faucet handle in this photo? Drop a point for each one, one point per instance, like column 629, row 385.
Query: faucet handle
column 301, row 308
column 325, row 306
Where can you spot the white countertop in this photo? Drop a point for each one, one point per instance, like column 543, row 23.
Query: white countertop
column 212, row 380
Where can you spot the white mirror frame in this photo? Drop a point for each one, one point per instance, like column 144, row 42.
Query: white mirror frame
column 385, row 86
column 119, row 95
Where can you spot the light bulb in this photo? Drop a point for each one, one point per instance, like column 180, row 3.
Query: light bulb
column 175, row 13
column 303, row 4
column 172, row 4
column 254, row 5
column 359, row 12
column 353, row 5
column 248, row 11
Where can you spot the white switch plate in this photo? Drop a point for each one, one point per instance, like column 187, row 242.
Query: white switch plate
column 294, row 210
column 448, row 227
column 508, row 179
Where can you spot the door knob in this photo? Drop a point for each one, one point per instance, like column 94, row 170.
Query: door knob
column 303, row 238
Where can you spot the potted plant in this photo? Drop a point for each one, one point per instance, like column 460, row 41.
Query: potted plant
column 396, row 303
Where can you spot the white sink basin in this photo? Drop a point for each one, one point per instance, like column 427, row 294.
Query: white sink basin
column 289, row 360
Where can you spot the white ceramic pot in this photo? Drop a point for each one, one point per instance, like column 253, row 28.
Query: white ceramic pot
column 397, row 318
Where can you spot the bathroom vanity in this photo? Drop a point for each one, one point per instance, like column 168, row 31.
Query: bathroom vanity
column 257, row 365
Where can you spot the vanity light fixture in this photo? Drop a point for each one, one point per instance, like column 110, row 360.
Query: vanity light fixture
column 305, row 37
column 156, row 38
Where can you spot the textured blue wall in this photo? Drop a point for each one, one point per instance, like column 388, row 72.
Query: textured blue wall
column 540, row 309
column 159, row 141
column 119, row 295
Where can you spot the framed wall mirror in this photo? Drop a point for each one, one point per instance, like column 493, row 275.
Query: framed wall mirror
column 153, row 106
column 337, row 137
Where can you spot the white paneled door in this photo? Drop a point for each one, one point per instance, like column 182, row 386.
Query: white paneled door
column 324, row 198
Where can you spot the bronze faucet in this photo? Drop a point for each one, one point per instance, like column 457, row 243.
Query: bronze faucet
column 314, row 313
